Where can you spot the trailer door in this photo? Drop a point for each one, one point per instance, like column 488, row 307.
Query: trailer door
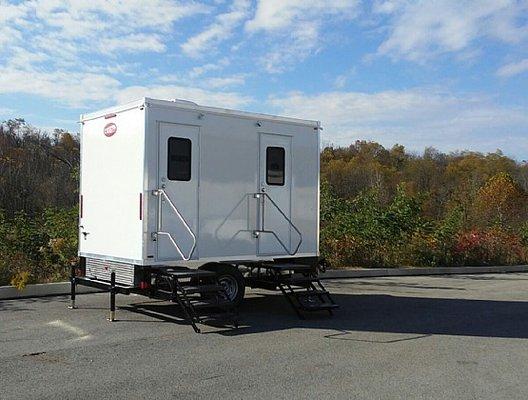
column 275, row 205
column 178, row 177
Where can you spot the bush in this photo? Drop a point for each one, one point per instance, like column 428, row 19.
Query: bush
column 37, row 249
column 495, row 246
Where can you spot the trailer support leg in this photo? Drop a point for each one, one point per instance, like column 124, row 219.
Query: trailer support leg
column 112, row 297
column 73, row 283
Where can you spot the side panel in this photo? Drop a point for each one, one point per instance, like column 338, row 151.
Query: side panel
column 229, row 177
column 112, row 168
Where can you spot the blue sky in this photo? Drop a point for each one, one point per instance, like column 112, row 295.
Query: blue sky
column 452, row 74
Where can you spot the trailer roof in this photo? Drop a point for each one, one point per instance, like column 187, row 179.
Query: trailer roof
column 189, row 105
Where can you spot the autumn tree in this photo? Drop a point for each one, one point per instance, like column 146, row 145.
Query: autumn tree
column 501, row 201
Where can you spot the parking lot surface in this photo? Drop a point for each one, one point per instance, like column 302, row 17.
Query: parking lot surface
column 436, row 337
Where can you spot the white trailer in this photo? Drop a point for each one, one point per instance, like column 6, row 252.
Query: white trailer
column 168, row 185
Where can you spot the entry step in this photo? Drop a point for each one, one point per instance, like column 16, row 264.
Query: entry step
column 289, row 267
column 311, row 293
column 202, row 289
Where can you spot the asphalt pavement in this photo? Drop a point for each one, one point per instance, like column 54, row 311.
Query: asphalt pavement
column 436, row 337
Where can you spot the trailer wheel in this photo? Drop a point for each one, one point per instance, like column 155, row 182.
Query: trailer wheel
column 231, row 279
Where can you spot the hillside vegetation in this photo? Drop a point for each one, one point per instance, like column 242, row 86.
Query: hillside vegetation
column 379, row 207
column 388, row 208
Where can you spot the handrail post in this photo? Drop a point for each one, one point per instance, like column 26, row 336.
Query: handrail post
column 261, row 196
column 161, row 192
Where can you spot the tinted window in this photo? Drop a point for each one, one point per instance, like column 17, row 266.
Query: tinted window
column 179, row 159
column 275, row 157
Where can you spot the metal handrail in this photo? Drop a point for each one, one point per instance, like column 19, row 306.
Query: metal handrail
column 161, row 193
column 262, row 229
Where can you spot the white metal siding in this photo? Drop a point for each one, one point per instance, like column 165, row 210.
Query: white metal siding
column 115, row 170
column 111, row 184
column 229, row 175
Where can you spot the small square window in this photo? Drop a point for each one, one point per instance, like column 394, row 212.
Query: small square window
column 275, row 162
column 179, row 159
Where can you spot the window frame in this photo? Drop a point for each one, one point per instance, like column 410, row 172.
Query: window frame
column 188, row 171
column 268, row 156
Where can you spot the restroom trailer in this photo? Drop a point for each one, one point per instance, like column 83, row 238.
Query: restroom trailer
column 176, row 195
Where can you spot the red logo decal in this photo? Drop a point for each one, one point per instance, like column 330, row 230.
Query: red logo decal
column 110, row 129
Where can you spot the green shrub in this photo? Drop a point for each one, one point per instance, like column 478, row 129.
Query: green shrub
column 39, row 248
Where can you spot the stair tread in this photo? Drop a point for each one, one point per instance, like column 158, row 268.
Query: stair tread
column 289, row 267
column 188, row 289
column 218, row 316
column 204, row 303
column 311, row 293
column 298, row 281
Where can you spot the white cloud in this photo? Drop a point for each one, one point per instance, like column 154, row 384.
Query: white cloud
column 82, row 88
column 221, row 29
column 133, row 43
column 514, row 68
column 67, row 28
column 78, row 18
column 293, row 28
column 59, row 49
column 300, row 44
column 225, row 81
column 206, row 82
column 416, row 118
column 72, row 88
column 6, row 112
column 274, row 15
column 204, row 69
column 200, row 96
column 421, row 30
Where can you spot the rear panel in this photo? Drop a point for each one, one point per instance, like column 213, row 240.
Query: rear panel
column 112, row 170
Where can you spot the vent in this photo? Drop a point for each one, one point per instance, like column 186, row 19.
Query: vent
column 101, row 270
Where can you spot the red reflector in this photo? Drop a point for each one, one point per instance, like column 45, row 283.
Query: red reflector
column 143, row 285
column 141, row 206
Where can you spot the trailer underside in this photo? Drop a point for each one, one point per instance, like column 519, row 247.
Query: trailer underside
column 213, row 292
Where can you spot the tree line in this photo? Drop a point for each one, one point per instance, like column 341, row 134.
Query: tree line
column 379, row 206
column 39, row 180
column 388, row 207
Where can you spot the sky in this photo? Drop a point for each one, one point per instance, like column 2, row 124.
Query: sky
column 451, row 74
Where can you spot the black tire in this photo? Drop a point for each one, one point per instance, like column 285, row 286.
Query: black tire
column 231, row 278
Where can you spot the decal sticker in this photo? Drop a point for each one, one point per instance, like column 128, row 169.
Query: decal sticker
column 110, row 129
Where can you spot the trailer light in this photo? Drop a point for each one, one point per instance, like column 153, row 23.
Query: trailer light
column 144, row 285
column 108, row 116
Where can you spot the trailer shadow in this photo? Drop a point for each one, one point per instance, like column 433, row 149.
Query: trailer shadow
column 370, row 313
column 392, row 314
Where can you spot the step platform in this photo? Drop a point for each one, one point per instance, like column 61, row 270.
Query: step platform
column 299, row 283
column 199, row 294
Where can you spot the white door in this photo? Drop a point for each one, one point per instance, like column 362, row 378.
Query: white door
column 275, row 181
column 178, row 176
